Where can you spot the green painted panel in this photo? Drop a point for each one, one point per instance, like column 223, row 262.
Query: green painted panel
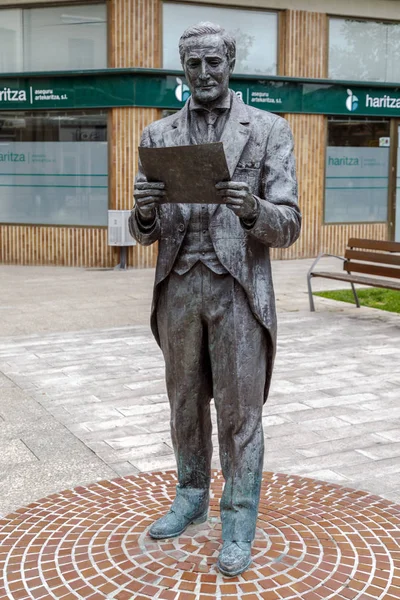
column 158, row 89
column 343, row 100
column 275, row 96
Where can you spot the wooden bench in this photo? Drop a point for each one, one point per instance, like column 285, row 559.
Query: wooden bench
column 370, row 257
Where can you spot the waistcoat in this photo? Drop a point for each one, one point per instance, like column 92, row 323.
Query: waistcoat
column 197, row 244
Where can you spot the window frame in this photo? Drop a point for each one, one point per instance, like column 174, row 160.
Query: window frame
column 342, row 119
column 58, row 5
column 279, row 30
column 108, row 121
column 330, row 16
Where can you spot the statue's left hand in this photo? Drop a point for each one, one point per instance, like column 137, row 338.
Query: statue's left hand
column 237, row 196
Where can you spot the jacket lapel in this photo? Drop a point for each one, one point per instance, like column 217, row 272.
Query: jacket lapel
column 236, row 133
column 235, row 136
column 178, row 134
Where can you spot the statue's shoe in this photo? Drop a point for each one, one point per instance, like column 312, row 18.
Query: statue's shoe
column 234, row 558
column 174, row 523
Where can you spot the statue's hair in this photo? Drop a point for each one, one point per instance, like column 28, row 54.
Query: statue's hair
column 207, row 28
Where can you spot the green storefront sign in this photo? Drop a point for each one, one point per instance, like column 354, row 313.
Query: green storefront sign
column 164, row 89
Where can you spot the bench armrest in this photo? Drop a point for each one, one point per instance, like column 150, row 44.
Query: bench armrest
column 322, row 255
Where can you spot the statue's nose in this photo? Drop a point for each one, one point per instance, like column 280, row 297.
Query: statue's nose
column 204, row 71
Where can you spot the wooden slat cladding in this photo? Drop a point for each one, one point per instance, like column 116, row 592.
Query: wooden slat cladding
column 303, row 54
column 334, row 238
column 305, row 45
column 63, row 246
column 135, row 41
column 135, row 33
column 127, row 125
column 309, row 136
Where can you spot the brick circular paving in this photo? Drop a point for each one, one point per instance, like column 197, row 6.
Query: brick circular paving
column 314, row 540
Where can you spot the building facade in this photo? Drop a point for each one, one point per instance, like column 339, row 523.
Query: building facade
column 79, row 82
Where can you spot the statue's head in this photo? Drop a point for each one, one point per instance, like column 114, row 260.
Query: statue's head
column 207, row 54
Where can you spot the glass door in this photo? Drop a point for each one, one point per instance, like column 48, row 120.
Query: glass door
column 357, row 170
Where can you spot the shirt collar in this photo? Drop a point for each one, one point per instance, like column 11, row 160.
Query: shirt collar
column 222, row 104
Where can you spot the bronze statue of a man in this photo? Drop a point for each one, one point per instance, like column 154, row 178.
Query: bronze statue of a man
column 213, row 311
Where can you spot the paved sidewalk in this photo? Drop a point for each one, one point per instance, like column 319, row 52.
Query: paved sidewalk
column 82, row 394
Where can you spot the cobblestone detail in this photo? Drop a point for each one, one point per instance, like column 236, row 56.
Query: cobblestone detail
column 314, row 541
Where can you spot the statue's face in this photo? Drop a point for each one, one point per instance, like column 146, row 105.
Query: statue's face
column 207, row 68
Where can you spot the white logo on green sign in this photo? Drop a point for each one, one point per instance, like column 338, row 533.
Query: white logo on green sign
column 182, row 91
column 352, row 101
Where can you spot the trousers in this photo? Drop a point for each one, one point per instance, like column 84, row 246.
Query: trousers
column 214, row 347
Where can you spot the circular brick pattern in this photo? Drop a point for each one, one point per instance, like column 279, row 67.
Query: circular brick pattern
column 314, row 541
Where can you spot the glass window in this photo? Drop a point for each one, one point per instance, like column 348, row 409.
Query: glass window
column 364, row 50
column 357, row 171
column 53, row 168
column 53, row 38
column 256, row 34
column 10, row 40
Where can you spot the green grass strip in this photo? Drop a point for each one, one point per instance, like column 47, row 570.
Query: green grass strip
column 388, row 300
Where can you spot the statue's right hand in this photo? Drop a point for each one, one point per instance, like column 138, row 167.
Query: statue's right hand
column 147, row 196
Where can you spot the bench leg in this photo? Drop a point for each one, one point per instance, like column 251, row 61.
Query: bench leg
column 310, row 294
column 355, row 295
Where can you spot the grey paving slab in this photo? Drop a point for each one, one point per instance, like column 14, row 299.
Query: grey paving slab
column 38, row 455
column 25, row 483
column 82, row 392
column 14, row 452
column 316, row 436
column 393, row 435
column 48, row 299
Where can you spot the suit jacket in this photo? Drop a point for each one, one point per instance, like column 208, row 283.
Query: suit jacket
column 259, row 150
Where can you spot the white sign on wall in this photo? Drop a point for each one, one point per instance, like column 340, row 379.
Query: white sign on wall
column 356, row 185
column 57, row 183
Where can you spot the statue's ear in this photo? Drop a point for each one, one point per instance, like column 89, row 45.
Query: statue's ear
column 232, row 63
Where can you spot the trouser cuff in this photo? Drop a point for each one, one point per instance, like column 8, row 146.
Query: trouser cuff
column 190, row 502
column 238, row 527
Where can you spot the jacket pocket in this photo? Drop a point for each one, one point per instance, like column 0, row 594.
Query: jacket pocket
column 251, row 176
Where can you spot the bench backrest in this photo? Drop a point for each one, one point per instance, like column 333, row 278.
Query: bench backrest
column 372, row 257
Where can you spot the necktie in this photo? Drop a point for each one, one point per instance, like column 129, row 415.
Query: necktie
column 211, row 118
